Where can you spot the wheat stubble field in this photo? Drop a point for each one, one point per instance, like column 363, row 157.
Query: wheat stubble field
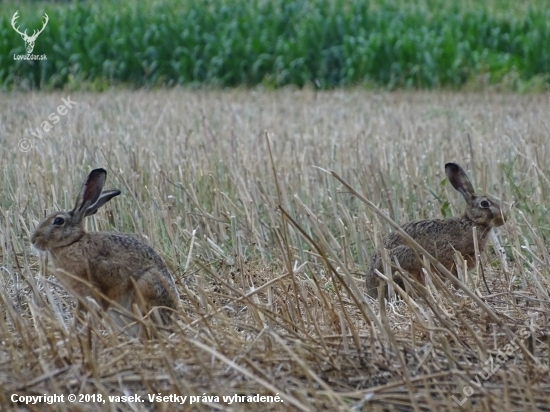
column 234, row 190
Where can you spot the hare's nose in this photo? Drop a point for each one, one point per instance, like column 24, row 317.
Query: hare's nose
column 34, row 238
column 500, row 219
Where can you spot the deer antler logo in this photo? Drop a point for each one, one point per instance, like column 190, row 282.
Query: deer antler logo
column 29, row 40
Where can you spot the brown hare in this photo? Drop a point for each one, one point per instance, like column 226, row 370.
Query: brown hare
column 441, row 237
column 120, row 267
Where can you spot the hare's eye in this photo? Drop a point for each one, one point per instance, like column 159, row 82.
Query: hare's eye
column 484, row 203
column 58, row 221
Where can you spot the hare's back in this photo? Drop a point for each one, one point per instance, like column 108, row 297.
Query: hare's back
column 124, row 252
column 427, row 233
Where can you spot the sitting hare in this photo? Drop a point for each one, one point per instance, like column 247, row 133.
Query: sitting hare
column 441, row 237
column 120, row 267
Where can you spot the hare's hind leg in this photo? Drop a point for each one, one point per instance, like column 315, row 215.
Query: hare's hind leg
column 407, row 260
column 156, row 289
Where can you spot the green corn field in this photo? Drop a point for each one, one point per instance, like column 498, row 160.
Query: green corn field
column 318, row 43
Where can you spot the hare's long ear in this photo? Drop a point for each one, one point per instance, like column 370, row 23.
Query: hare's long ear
column 90, row 193
column 460, row 181
column 104, row 197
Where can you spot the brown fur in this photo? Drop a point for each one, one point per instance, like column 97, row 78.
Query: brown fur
column 120, row 266
column 441, row 237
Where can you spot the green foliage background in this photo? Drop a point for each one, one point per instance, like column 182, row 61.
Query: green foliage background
column 322, row 43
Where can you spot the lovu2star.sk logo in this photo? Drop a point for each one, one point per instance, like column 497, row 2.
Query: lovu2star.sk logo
column 29, row 40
